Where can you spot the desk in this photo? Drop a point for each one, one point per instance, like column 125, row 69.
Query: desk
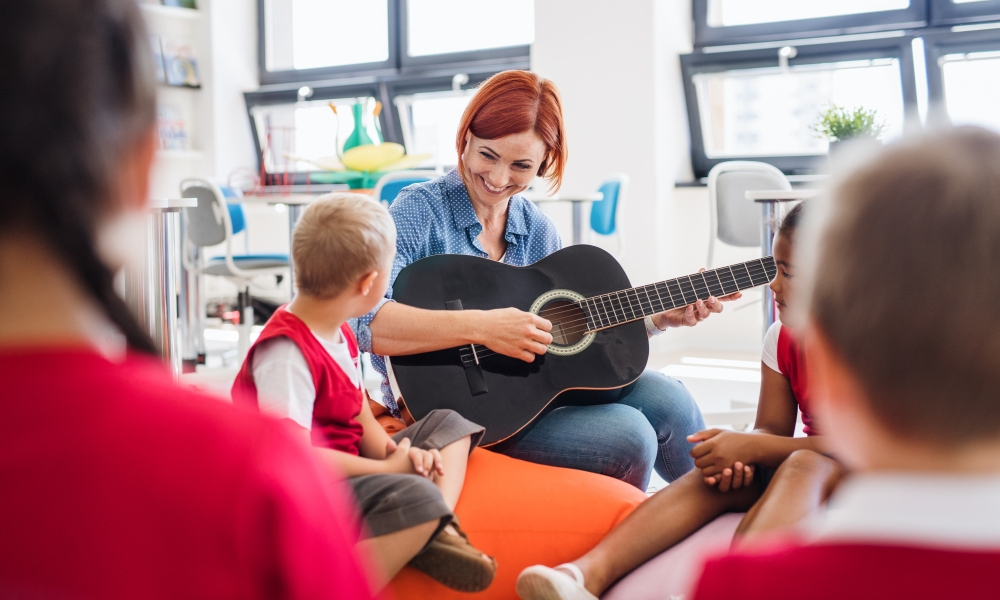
column 770, row 204
column 296, row 204
column 151, row 288
column 578, row 200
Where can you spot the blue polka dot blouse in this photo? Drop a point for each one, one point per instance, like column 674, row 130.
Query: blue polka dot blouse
column 436, row 217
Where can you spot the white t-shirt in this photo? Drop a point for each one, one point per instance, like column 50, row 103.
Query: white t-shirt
column 284, row 383
column 769, row 353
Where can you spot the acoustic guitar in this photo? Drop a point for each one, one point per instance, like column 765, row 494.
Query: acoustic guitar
column 599, row 339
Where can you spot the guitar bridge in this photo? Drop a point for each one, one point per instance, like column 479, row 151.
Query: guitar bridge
column 473, row 371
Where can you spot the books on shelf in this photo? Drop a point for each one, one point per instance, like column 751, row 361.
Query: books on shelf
column 161, row 73
column 173, row 130
column 180, row 64
column 177, row 3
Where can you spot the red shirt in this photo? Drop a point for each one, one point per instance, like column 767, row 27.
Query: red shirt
column 338, row 400
column 857, row 571
column 792, row 363
column 117, row 483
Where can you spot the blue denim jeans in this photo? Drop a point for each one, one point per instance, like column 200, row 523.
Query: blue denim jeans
column 640, row 427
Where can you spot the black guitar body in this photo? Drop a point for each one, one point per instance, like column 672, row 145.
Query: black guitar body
column 517, row 393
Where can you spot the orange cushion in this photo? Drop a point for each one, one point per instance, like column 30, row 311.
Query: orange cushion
column 525, row 514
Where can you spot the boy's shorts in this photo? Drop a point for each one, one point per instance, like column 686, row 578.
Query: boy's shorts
column 394, row 501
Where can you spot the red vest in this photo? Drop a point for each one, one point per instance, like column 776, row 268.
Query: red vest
column 792, row 364
column 338, row 401
column 845, row 570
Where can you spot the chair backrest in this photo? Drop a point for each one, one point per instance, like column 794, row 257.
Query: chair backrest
column 736, row 220
column 604, row 213
column 390, row 184
column 209, row 223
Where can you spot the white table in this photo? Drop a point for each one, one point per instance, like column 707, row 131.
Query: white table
column 771, row 202
column 151, row 289
column 578, row 201
column 296, row 203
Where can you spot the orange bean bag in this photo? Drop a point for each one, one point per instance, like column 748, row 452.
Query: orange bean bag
column 524, row 514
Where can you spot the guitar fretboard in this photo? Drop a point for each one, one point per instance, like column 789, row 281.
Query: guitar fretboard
column 609, row 310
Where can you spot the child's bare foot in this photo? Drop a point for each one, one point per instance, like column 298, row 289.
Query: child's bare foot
column 564, row 582
column 453, row 561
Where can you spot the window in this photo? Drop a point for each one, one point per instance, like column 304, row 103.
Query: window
column 299, row 33
column 771, row 111
column 956, row 12
column 963, row 77
column 309, row 39
column 429, row 122
column 303, row 136
column 971, row 88
column 756, row 105
column 419, row 58
column 719, row 22
column 443, row 26
column 727, row 13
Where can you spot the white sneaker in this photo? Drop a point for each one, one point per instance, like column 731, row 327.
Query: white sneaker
column 544, row 583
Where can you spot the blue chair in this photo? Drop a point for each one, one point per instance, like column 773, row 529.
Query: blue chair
column 390, row 184
column 213, row 222
column 604, row 213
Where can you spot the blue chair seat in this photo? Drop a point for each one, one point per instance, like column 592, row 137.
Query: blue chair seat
column 249, row 262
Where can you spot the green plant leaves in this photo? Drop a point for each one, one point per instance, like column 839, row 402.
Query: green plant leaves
column 838, row 123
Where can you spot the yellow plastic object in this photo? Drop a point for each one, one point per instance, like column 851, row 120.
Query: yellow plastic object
column 368, row 158
column 407, row 162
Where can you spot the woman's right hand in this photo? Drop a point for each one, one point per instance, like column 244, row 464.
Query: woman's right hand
column 513, row 332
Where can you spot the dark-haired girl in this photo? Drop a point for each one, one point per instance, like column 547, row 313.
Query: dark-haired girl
column 776, row 478
column 117, row 483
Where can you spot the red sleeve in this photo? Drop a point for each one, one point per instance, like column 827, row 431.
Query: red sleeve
column 298, row 526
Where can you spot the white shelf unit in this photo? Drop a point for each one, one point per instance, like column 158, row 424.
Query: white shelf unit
column 193, row 105
column 170, row 11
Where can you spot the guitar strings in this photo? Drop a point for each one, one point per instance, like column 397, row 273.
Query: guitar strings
column 486, row 352
column 740, row 281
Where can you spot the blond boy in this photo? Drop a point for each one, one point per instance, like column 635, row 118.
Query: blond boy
column 304, row 368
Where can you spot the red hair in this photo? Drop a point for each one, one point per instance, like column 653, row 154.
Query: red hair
column 514, row 102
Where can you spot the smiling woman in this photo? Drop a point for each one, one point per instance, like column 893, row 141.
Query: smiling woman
column 511, row 132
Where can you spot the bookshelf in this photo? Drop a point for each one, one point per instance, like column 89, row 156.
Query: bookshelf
column 185, row 113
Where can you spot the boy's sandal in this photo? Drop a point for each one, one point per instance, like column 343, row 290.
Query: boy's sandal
column 545, row 583
column 451, row 560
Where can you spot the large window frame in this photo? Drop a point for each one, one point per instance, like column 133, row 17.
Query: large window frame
column 383, row 88
column 946, row 12
column 705, row 35
column 942, row 43
column 817, row 51
column 400, row 75
column 399, row 63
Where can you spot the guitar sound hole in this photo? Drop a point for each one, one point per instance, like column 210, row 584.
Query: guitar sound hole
column 569, row 324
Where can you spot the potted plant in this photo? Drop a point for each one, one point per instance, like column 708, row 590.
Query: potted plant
column 838, row 124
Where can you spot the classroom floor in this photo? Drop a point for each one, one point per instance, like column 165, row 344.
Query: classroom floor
column 724, row 384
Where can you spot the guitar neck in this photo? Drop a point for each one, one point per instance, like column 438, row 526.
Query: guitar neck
column 624, row 306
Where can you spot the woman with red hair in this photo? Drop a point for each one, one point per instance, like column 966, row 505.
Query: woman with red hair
column 511, row 132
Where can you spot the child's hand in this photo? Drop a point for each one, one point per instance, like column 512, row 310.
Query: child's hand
column 403, row 458
column 738, row 476
column 720, row 451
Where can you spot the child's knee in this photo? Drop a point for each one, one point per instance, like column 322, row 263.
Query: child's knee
column 803, row 463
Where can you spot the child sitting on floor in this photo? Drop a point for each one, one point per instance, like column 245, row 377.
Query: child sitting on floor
column 304, row 368
column 777, row 478
column 906, row 385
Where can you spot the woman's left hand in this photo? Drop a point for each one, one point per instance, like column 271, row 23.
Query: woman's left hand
column 691, row 315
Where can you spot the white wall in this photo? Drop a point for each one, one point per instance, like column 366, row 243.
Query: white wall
column 618, row 69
